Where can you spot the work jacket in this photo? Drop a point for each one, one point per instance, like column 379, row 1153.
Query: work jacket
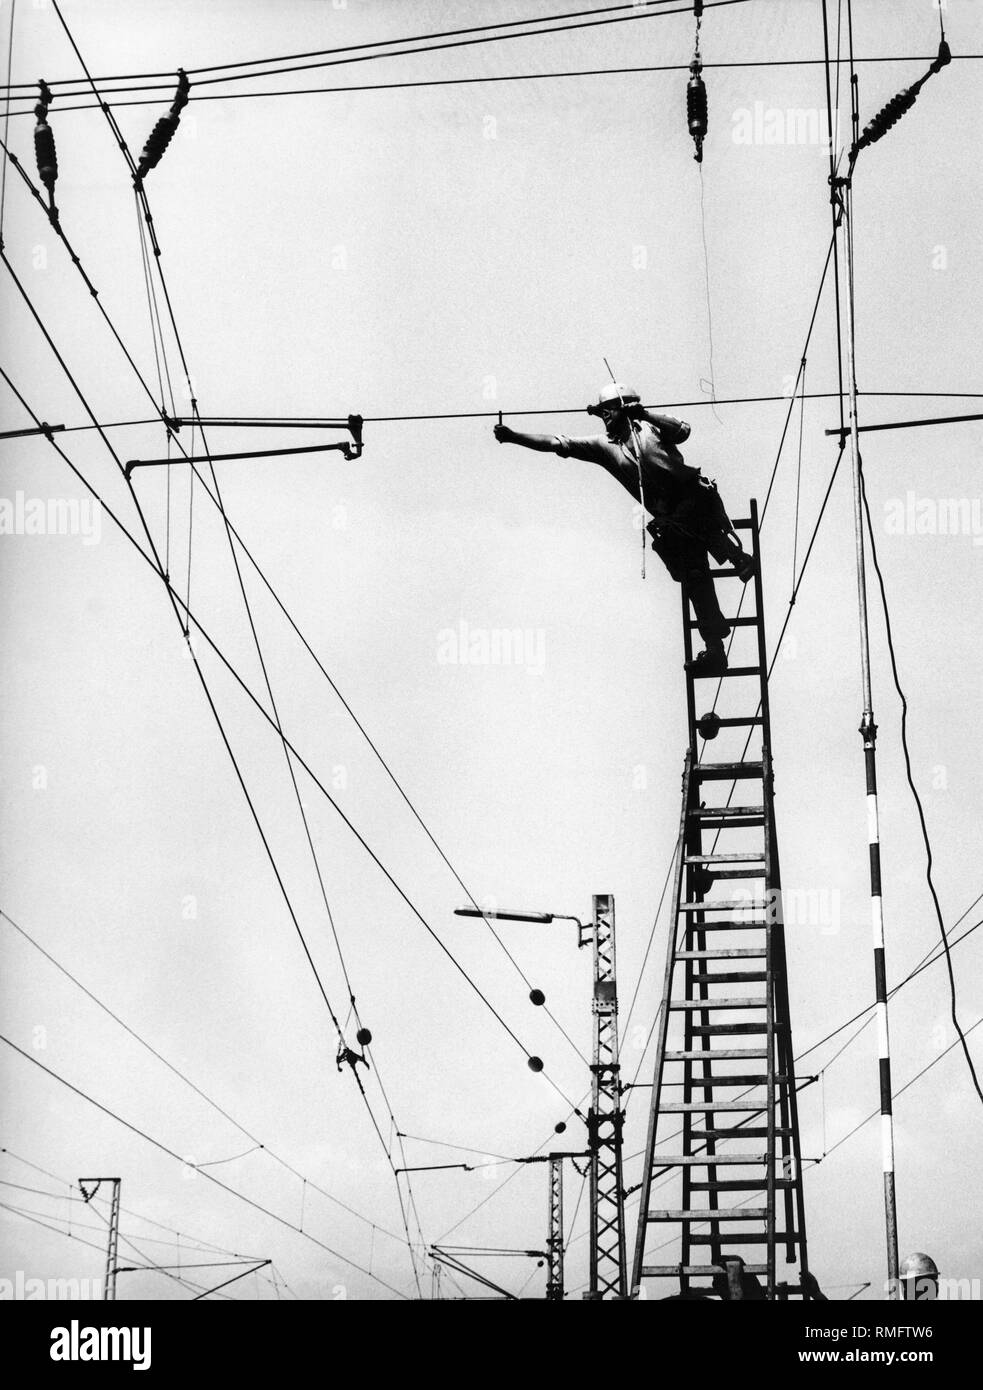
column 651, row 450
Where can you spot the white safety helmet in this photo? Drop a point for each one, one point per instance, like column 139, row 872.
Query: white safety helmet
column 614, row 394
column 919, row 1266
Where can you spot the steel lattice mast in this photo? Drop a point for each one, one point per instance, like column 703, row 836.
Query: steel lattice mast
column 608, row 1274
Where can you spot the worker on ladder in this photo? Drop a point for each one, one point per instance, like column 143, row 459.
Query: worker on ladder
column 641, row 450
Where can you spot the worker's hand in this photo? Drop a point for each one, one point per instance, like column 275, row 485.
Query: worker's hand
column 503, row 434
column 634, row 410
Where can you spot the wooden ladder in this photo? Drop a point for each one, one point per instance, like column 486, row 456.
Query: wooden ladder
column 724, row 1072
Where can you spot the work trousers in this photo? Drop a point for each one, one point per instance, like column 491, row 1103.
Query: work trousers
column 682, row 539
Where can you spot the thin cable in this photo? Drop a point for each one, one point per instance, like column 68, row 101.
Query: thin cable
column 911, row 782
column 917, row 1077
column 706, row 266
column 345, row 48
column 505, row 77
column 245, row 687
column 636, row 14
column 6, row 114
column 199, row 1241
column 157, row 1144
column 217, row 503
column 798, row 474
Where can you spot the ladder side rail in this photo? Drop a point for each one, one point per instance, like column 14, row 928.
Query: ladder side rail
column 770, row 857
column 660, row 1049
column 787, row 1062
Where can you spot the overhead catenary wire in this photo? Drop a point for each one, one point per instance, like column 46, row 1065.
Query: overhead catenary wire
column 152, row 152
column 214, row 498
column 658, row 10
column 506, row 77
column 248, row 691
column 802, row 395
column 198, row 1241
column 355, row 48
column 210, row 1177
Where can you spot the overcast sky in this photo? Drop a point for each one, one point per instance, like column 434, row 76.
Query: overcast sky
column 452, row 249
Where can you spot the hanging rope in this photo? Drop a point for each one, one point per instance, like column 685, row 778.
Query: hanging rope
column 167, row 519
column 191, row 518
column 798, row 472
column 712, row 383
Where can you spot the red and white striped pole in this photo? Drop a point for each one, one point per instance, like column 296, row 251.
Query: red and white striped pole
column 868, row 730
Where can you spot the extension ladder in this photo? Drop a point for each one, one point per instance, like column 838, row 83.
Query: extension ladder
column 724, row 1073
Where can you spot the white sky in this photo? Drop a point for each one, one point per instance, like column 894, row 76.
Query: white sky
column 453, row 249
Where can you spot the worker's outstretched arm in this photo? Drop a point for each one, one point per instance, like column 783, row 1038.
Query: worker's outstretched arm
column 672, row 430
column 544, row 443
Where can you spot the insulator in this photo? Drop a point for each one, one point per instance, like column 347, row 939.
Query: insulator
column 157, row 143
column 45, row 92
column 162, row 134
column 44, row 149
column 888, row 116
column 696, row 109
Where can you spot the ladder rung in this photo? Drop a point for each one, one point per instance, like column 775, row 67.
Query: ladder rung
column 744, row 524
column 708, row 1160
column 693, row 1271
column 739, row 1132
column 745, row 1054
column 739, row 1185
column 728, row 812
column 706, row 1107
column 729, row 977
column 749, row 857
column 711, row 818
column 695, row 1214
column 732, row 953
column 745, row 1079
column 724, row 570
column 710, row 772
column 718, row 1029
column 726, row 905
column 700, row 1004
column 738, row 873
column 741, row 722
column 739, row 1238
column 725, row 924
column 733, row 622
column 731, row 670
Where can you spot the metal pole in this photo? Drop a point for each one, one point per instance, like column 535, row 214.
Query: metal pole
column 608, row 1273
column 868, row 730
column 554, row 1239
column 112, row 1245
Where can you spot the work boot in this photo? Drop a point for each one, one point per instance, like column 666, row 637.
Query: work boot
column 711, row 662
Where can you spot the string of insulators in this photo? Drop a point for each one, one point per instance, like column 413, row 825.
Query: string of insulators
column 162, row 133
column 44, row 143
column 696, row 108
column 696, row 92
column 890, row 114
